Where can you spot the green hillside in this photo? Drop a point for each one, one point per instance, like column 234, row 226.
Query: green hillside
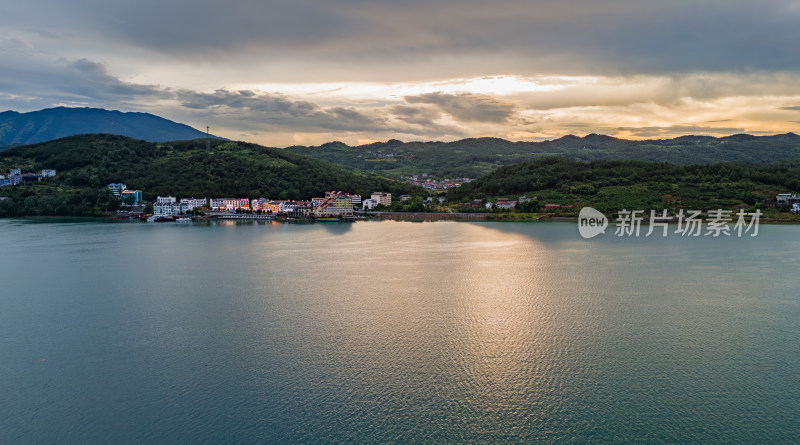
column 86, row 164
column 477, row 157
column 614, row 185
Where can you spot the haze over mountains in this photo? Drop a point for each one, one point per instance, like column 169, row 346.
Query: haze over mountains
column 53, row 123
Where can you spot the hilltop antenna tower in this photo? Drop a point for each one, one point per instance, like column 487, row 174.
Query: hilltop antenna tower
column 208, row 139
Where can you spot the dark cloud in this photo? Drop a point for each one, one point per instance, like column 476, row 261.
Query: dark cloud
column 92, row 80
column 80, row 82
column 468, row 107
column 417, row 38
column 416, row 115
column 278, row 110
column 797, row 108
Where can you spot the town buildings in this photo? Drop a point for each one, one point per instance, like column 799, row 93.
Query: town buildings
column 383, row 198
column 16, row 177
column 503, row 203
column 335, row 204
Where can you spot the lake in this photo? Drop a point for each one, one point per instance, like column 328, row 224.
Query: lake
column 395, row 332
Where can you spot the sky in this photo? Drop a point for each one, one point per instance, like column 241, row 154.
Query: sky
column 302, row 72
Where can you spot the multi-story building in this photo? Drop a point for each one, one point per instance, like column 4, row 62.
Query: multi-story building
column 503, row 203
column 15, row 171
column 48, row 173
column 228, row 204
column 216, row 203
column 192, row 203
column 302, row 209
column 335, row 204
column 286, row 206
column 170, row 209
column 165, row 200
column 384, row 199
column 369, row 204
column 272, row 207
column 356, row 200
column 137, row 196
column 116, row 188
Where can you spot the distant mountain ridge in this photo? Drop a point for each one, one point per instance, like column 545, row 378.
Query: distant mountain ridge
column 54, row 123
column 479, row 156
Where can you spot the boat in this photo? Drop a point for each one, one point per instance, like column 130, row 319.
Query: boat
column 183, row 219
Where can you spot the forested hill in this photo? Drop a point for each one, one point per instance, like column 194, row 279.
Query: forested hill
column 477, row 157
column 614, row 185
column 53, row 123
column 185, row 168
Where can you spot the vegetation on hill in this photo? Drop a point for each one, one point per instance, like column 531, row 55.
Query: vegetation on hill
column 86, row 164
column 53, row 123
column 614, row 185
column 477, row 157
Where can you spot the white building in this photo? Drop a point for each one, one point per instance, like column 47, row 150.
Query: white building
column 166, row 209
column 192, row 203
column 369, row 204
column 117, row 188
column 15, row 171
column 356, row 200
column 796, row 207
column 286, row 206
column 165, row 200
column 217, row 203
column 48, row 173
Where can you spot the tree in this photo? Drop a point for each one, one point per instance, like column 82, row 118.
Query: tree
column 529, row 206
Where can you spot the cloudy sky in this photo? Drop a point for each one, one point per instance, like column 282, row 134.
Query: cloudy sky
column 306, row 72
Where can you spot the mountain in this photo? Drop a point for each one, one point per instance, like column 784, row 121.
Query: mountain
column 477, row 157
column 616, row 185
column 85, row 164
column 53, row 123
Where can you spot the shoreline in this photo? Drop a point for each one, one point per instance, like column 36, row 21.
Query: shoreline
column 394, row 216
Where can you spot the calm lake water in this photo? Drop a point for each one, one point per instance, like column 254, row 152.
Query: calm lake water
column 395, row 332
